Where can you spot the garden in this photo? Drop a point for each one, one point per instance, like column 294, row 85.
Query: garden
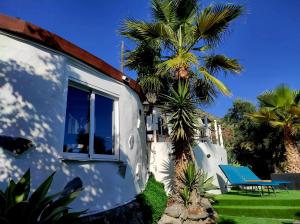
column 175, row 54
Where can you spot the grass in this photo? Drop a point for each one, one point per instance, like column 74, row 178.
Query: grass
column 153, row 200
column 236, row 207
column 225, row 219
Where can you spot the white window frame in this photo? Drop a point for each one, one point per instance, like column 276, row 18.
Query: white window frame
column 115, row 125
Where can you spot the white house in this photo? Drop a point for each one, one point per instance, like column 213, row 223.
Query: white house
column 84, row 117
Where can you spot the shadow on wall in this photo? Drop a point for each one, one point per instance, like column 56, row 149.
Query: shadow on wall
column 21, row 86
column 222, row 184
column 167, row 171
column 32, row 106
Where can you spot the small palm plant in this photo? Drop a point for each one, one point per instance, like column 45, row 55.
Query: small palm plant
column 281, row 108
column 16, row 206
column 194, row 183
column 189, row 182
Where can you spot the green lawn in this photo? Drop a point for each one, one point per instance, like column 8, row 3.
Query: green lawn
column 236, row 207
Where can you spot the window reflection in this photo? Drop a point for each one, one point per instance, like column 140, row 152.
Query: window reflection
column 77, row 121
column 103, row 136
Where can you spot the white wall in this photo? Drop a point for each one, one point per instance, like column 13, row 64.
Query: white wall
column 161, row 164
column 33, row 91
column 209, row 157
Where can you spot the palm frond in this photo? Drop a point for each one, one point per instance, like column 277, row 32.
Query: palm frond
column 216, row 63
column 280, row 97
column 143, row 31
column 219, row 85
column 151, row 83
column 164, row 11
column 143, row 59
column 214, row 20
column 204, row 91
column 186, row 10
column 182, row 60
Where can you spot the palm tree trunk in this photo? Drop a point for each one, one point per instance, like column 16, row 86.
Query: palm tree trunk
column 182, row 157
column 291, row 152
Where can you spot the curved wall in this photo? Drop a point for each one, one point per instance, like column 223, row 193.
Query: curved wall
column 33, row 94
column 209, row 157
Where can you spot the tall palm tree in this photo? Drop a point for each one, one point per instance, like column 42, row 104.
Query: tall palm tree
column 281, row 108
column 178, row 44
column 173, row 56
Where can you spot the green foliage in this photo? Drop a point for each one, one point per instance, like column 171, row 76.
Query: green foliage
column 153, row 200
column 177, row 43
column 190, row 177
column 280, row 108
column 185, row 196
column 205, row 184
column 257, row 145
column 16, row 206
column 183, row 117
column 193, row 179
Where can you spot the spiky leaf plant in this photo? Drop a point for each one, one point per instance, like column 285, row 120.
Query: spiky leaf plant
column 205, row 184
column 16, row 206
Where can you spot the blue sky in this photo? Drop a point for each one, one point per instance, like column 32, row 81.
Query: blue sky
column 266, row 40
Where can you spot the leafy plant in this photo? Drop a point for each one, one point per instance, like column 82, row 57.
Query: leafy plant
column 281, row 109
column 251, row 143
column 185, row 196
column 183, row 114
column 190, row 177
column 16, row 206
column 153, row 201
column 205, row 184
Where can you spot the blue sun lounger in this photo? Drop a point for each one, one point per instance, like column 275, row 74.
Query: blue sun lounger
column 243, row 176
column 248, row 174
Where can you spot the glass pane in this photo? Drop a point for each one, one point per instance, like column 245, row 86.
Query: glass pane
column 77, row 121
column 103, row 138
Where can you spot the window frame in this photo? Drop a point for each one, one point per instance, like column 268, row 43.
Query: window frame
column 93, row 91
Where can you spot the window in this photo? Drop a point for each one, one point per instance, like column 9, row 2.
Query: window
column 90, row 126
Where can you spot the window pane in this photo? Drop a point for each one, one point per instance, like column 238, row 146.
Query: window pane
column 77, row 121
column 103, row 138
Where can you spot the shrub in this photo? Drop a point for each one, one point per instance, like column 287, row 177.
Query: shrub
column 153, row 201
column 16, row 206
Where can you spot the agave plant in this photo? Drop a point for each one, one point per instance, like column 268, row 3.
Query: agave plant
column 16, row 206
column 205, row 184
column 185, row 196
column 190, row 177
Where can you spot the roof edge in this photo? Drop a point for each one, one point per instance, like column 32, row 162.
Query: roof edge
column 48, row 39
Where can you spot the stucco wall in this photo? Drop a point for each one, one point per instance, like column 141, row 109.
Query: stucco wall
column 209, row 157
column 161, row 163
column 33, row 94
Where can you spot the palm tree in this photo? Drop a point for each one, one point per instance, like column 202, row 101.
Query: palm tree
column 281, row 108
column 174, row 51
column 177, row 44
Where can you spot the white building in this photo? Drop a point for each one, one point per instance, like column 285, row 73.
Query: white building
column 84, row 118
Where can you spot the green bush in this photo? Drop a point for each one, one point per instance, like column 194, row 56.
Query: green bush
column 153, row 201
column 16, row 206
